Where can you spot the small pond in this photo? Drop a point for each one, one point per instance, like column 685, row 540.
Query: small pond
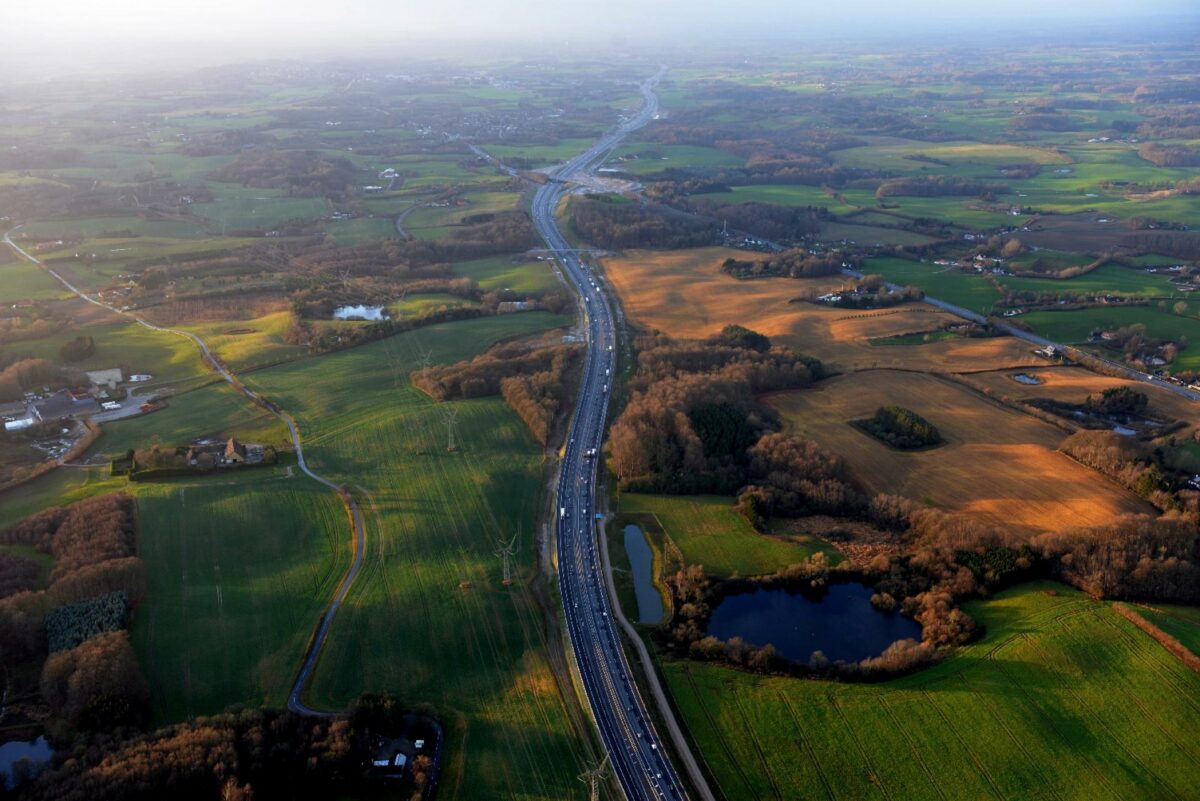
column 1026, row 378
column 359, row 313
column 1123, row 431
column 641, row 560
column 842, row 624
column 37, row 751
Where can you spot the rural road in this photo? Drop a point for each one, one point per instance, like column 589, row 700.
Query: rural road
column 1042, row 342
column 633, row 747
column 358, row 529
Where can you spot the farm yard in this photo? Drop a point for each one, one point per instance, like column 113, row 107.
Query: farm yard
column 998, row 466
column 1061, row 699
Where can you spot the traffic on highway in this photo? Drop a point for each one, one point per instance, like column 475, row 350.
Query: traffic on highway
column 633, row 747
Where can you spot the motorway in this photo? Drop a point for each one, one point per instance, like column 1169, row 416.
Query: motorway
column 633, row 746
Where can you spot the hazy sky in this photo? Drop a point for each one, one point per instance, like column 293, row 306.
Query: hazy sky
column 313, row 21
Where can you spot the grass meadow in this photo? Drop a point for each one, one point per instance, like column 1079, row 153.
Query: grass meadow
column 239, row 571
column 1076, row 327
column 498, row 272
column 1181, row 622
column 1061, row 699
column 428, row 618
column 708, row 531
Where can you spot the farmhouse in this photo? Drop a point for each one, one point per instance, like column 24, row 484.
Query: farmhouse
column 235, row 452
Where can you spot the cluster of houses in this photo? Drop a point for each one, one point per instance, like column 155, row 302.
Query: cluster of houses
column 74, row 402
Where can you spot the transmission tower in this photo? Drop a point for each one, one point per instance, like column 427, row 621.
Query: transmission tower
column 592, row 779
column 451, row 422
column 426, row 360
column 506, row 550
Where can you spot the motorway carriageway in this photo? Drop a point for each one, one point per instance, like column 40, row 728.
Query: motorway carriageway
column 634, row 749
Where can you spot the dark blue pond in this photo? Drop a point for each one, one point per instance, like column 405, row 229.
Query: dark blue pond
column 842, row 624
column 641, row 560
column 36, row 752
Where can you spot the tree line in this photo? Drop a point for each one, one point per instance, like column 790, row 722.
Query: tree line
column 92, row 679
column 241, row 755
column 766, row 220
column 692, row 416
column 794, row 263
column 900, row 428
column 613, row 224
column 536, row 380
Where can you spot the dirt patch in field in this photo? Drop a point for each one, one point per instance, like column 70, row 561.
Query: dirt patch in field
column 997, row 464
column 684, row 293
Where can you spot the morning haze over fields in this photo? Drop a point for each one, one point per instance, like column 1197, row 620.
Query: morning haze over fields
column 626, row 400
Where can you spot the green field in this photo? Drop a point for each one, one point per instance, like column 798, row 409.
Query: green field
column 168, row 357
column 709, row 531
column 434, row 222
column 968, row 290
column 409, row 626
column 1109, row 278
column 498, row 272
column 239, row 572
column 426, row 303
column 212, row 410
column 1076, row 326
column 652, row 157
column 781, row 194
column 963, row 158
column 1062, row 699
column 541, row 155
column 23, row 280
column 364, row 229
column 56, row 488
column 869, row 234
column 1181, row 622
column 248, row 344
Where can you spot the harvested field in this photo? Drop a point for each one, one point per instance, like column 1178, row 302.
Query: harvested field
column 685, row 293
column 1074, row 384
column 997, row 464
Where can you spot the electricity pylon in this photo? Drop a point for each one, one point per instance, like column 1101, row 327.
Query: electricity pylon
column 426, row 360
column 506, row 551
column 593, row 777
column 451, row 422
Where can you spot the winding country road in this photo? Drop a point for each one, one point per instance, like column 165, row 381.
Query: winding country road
column 358, row 530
